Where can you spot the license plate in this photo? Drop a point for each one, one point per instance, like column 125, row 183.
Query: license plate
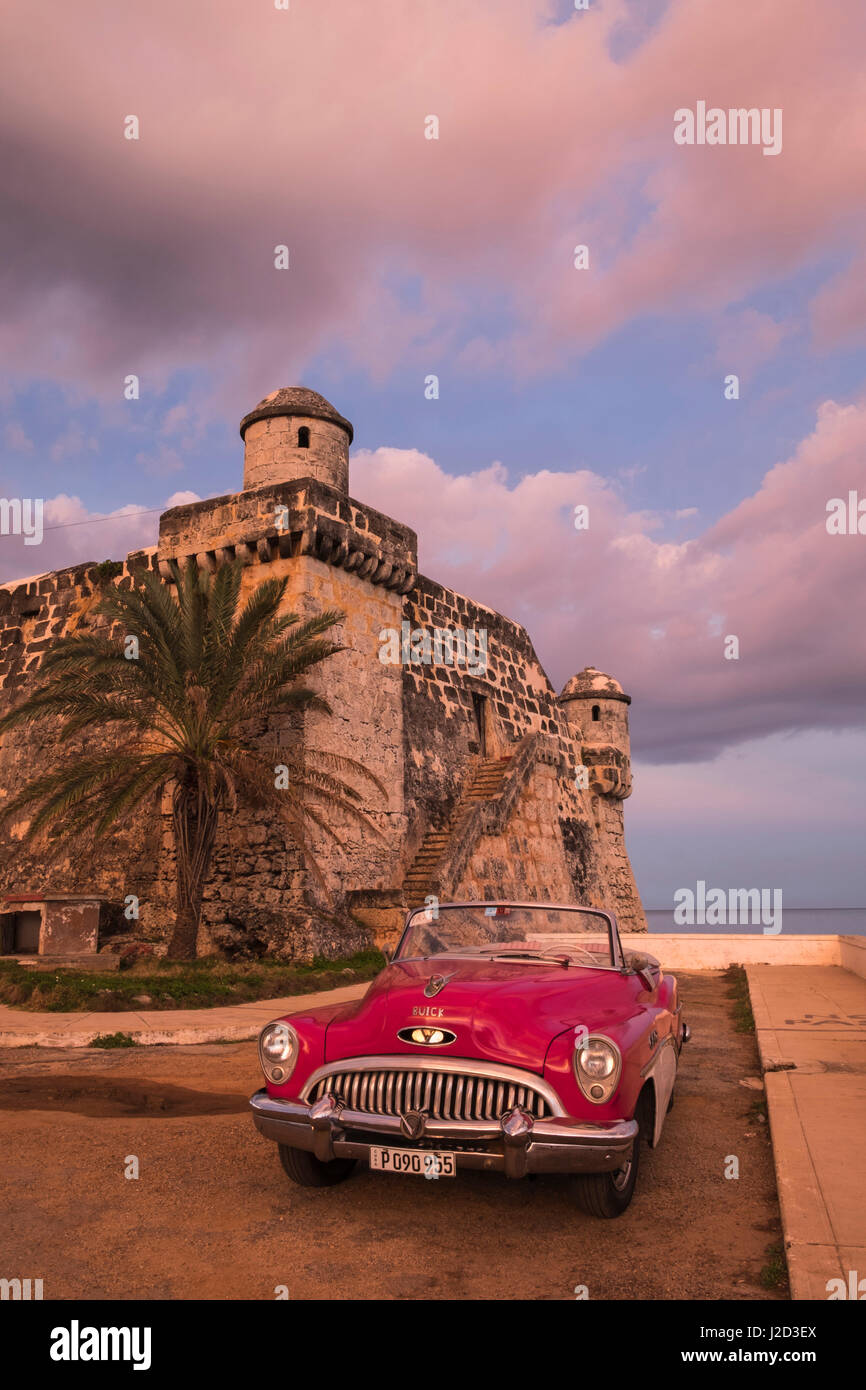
column 423, row 1164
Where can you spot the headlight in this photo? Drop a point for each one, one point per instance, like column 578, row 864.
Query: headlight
column 278, row 1051
column 597, row 1063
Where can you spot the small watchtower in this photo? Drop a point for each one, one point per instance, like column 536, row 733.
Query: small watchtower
column 295, row 433
column 596, row 707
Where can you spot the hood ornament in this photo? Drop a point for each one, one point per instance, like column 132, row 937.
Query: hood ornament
column 436, row 984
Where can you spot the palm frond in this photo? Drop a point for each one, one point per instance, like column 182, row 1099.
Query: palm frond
column 58, row 793
column 192, row 711
column 123, row 797
column 151, row 614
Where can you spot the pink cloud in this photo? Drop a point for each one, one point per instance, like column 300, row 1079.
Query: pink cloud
column 620, row 595
column 261, row 127
column 655, row 612
column 73, row 535
column 839, row 309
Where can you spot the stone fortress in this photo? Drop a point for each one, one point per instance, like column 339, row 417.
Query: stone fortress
column 495, row 786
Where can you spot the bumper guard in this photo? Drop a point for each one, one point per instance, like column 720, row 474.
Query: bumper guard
column 515, row 1144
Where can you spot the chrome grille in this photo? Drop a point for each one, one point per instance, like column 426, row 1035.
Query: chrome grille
column 443, row 1095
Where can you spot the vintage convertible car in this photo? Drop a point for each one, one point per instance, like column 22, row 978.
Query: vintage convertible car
column 513, row 1037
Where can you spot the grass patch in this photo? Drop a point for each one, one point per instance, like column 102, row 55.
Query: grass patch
column 774, row 1274
column 178, row 985
column 114, row 1040
column 738, row 993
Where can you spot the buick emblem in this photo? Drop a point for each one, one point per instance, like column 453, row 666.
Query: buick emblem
column 412, row 1123
column 437, row 983
column 427, row 1037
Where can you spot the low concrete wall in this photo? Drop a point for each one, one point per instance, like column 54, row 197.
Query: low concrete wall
column 708, row 951
column 852, row 954
column 716, row 951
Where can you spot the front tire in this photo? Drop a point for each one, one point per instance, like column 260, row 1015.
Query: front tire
column 609, row 1194
column 308, row 1171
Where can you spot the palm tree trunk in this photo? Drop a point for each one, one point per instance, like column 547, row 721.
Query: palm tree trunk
column 195, row 824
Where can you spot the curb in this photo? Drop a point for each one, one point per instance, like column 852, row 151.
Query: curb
column 241, row 1022
column 811, row 1250
column 143, row 1036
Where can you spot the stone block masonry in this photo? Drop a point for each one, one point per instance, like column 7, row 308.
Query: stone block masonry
column 432, row 732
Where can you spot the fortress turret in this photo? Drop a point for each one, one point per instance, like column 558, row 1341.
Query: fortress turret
column 596, row 707
column 295, row 433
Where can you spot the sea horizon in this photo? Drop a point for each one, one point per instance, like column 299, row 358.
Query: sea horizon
column 796, row 921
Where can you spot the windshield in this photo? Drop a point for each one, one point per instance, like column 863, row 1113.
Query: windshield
column 504, row 931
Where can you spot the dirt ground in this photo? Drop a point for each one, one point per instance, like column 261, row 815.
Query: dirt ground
column 213, row 1216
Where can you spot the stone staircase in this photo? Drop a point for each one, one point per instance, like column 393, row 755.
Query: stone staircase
column 491, row 791
column 420, row 880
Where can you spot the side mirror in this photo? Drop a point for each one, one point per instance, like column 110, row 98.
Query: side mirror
column 647, row 972
column 388, row 953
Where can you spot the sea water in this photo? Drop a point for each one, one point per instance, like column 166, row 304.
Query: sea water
column 796, row 921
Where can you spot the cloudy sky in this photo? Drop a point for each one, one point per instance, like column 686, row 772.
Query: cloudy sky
column 558, row 387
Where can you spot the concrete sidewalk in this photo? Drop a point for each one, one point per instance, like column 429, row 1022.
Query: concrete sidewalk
column 811, row 1027
column 233, row 1023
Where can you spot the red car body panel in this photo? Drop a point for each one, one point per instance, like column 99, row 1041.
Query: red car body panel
column 515, row 1013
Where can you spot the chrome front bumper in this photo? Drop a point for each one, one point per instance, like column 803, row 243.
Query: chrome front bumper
column 514, row 1147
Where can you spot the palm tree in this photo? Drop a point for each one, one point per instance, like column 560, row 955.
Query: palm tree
column 187, row 681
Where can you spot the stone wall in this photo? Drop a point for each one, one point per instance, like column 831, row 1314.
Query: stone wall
column 528, row 860
column 440, row 731
column 582, row 848
column 33, row 615
column 366, row 725
column 412, row 724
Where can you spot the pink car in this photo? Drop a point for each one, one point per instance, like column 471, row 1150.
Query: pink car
column 513, row 1037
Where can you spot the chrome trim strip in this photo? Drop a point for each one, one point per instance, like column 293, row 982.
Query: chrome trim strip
column 649, row 1066
column 470, row 1067
column 437, row 1092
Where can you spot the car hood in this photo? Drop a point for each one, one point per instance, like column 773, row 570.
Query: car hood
column 502, row 1011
